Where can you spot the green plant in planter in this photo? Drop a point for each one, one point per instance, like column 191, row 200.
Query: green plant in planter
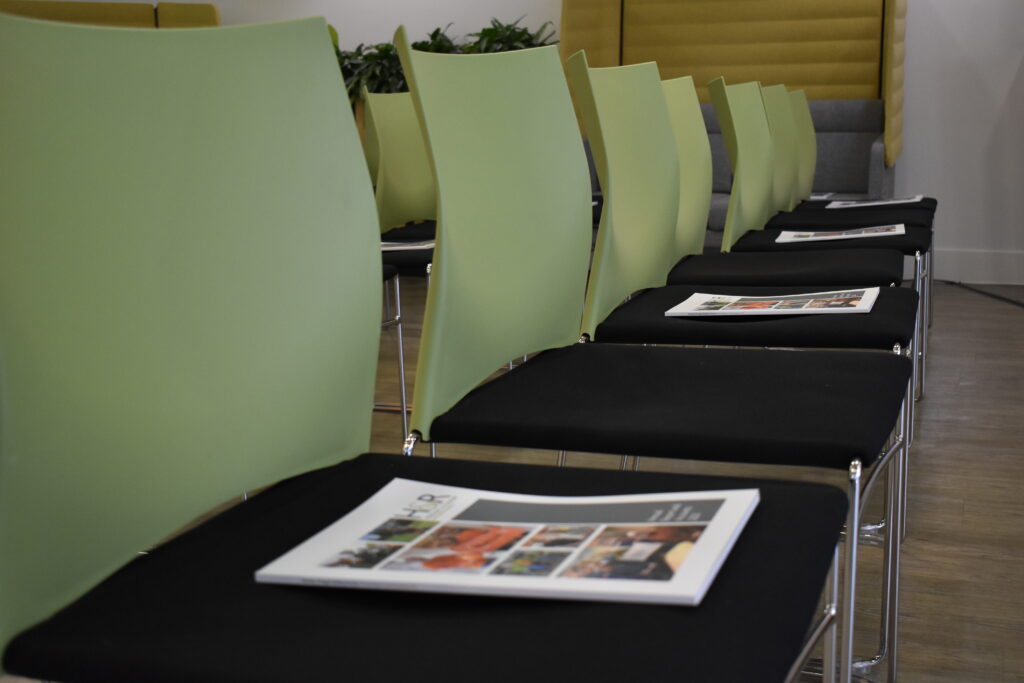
column 438, row 41
column 377, row 68
column 374, row 66
column 502, row 37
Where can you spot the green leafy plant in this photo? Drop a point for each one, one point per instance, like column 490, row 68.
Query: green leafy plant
column 502, row 37
column 378, row 68
column 438, row 41
column 374, row 66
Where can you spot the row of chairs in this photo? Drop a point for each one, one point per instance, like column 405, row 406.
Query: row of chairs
column 618, row 107
column 212, row 328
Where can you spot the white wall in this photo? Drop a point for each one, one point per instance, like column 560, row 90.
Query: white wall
column 964, row 133
column 375, row 21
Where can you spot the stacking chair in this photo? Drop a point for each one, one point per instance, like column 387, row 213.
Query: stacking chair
column 695, row 266
column 917, row 213
column 178, row 215
column 745, row 127
column 920, row 213
column 631, row 142
column 404, row 192
column 171, row 345
column 495, row 295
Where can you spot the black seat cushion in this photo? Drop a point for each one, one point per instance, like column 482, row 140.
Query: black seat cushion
column 191, row 611
column 412, row 261
column 870, row 267
column 388, row 271
column 814, row 408
column 409, row 262
column 926, row 204
column 642, row 320
column 838, row 219
column 914, row 240
column 411, row 232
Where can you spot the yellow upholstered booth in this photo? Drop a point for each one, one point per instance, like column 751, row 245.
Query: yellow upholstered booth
column 126, row 14
column 835, row 50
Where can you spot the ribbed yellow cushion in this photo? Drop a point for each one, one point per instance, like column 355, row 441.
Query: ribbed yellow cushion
column 131, row 14
column 186, row 15
column 894, row 51
column 591, row 25
column 829, row 49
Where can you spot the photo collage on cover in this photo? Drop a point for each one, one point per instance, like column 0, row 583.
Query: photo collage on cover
column 873, row 231
column 607, row 551
column 849, row 299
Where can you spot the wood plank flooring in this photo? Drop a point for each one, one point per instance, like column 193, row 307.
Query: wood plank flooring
column 962, row 611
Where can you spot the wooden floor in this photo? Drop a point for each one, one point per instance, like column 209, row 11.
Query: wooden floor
column 962, row 612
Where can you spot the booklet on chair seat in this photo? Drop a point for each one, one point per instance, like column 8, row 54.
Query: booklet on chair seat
column 406, row 246
column 854, row 203
column 839, row 301
column 415, row 536
column 829, row 235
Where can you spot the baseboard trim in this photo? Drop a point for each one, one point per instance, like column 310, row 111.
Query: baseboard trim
column 980, row 266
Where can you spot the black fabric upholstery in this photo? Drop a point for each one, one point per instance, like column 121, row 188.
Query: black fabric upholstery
column 869, row 267
column 915, row 240
column 191, row 611
column 825, row 219
column 411, row 262
column 926, row 203
column 411, row 232
column 388, row 271
column 813, row 408
column 414, row 261
column 643, row 320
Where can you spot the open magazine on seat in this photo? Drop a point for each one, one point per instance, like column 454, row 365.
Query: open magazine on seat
column 838, row 301
column 828, row 235
column 416, row 536
column 854, row 203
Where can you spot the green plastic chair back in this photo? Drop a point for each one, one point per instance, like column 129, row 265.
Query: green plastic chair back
column 693, row 150
column 514, row 216
column 624, row 112
column 785, row 148
column 748, row 143
column 404, row 182
column 807, row 143
column 189, row 286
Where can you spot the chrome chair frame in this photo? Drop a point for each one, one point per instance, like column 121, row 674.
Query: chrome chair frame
column 393, row 318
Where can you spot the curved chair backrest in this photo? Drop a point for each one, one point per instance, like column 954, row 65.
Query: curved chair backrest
column 785, row 146
column 807, row 143
column 404, row 182
column 693, row 150
column 741, row 116
column 624, row 112
column 514, row 215
column 184, row 219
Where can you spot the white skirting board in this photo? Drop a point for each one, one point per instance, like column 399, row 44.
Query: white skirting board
column 975, row 266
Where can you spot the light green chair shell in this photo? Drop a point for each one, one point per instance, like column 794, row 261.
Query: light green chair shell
column 624, row 112
column 189, row 286
column 748, row 143
column 514, row 216
column 693, row 150
column 807, row 143
column 404, row 182
column 785, row 149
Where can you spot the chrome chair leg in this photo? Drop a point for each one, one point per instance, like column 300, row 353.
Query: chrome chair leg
column 393, row 318
column 403, row 398
column 850, row 575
